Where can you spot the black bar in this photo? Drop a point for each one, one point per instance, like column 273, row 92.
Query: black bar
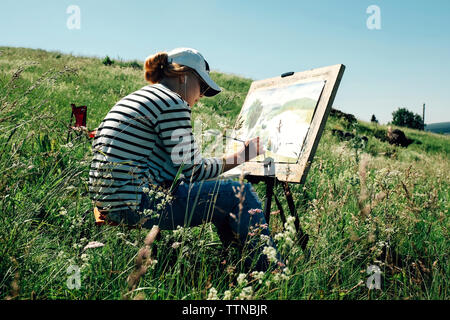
column 270, row 183
column 287, row 74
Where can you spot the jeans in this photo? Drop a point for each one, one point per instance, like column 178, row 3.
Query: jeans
column 237, row 215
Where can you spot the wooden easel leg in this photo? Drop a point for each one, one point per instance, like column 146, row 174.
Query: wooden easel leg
column 280, row 207
column 303, row 237
column 270, row 184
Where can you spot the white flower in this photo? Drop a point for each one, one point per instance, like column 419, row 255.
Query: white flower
column 290, row 220
column 148, row 212
column 265, row 239
column 276, row 277
column 246, row 293
column 258, row 275
column 93, row 244
column 241, row 279
column 212, row 295
column 77, row 245
column 284, row 277
column 271, row 253
column 85, row 257
column 176, row 245
column 278, row 236
column 227, row 295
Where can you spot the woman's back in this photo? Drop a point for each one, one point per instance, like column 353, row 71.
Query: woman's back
column 139, row 142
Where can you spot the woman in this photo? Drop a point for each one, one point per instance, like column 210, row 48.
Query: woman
column 146, row 140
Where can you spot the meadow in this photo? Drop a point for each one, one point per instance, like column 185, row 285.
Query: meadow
column 363, row 204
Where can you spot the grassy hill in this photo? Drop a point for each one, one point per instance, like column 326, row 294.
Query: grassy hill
column 363, row 204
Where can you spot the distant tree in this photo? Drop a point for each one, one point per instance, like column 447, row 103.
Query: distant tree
column 405, row 118
column 374, row 119
column 107, row 61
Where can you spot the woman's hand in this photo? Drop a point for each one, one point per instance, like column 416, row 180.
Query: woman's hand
column 252, row 148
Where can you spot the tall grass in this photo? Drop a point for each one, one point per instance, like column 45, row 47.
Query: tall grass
column 361, row 205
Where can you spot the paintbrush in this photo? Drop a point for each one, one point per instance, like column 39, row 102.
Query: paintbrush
column 235, row 139
column 218, row 133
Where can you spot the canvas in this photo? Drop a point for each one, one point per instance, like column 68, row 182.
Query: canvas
column 289, row 115
column 281, row 117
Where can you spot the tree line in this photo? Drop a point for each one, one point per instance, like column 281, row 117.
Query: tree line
column 405, row 118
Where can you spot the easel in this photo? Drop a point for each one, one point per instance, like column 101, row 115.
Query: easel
column 271, row 182
column 330, row 77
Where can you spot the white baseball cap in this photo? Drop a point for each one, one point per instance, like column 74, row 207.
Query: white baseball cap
column 192, row 58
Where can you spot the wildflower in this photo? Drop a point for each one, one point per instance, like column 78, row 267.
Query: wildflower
column 227, row 295
column 212, row 295
column 62, row 211
column 93, row 244
column 68, row 145
column 265, row 239
column 271, row 253
column 285, row 274
column 246, row 293
column 77, row 245
column 179, row 231
column 258, row 275
column 85, row 257
column 176, row 245
column 241, row 279
column 277, row 277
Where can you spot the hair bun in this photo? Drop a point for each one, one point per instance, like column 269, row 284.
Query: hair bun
column 154, row 66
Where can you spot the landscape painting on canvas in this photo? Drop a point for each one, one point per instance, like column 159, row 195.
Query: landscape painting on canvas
column 281, row 117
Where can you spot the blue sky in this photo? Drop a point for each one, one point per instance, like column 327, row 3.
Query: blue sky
column 404, row 64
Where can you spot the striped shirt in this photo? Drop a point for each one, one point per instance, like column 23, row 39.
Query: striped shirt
column 145, row 139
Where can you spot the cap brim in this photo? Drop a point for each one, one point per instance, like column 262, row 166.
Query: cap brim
column 213, row 87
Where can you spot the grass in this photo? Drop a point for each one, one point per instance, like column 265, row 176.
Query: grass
column 361, row 205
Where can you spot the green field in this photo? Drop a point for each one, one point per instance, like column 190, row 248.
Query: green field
column 362, row 204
